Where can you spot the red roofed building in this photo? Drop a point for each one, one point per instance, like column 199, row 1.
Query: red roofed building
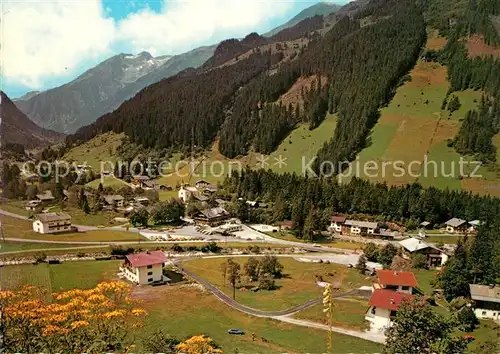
column 336, row 223
column 383, row 307
column 144, row 268
column 396, row 281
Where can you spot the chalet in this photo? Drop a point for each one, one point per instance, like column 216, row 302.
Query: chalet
column 149, row 184
column 286, row 225
column 337, row 223
column 486, row 301
column 114, row 200
column 32, row 204
column 210, row 189
column 212, row 217
column 425, row 224
column 144, row 268
column 384, row 305
column 138, row 181
column 456, row 225
column 435, row 256
column 186, row 192
column 144, row 201
column 355, row 227
column 165, row 187
column 51, row 223
column 45, row 197
column 473, row 225
column 402, row 282
column 201, row 184
column 199, row 197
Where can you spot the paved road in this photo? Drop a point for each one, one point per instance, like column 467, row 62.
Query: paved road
column 283, row 315
column 248, row 235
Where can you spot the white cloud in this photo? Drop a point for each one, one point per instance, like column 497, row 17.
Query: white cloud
column 193, row 22
column 48, row 39
column 43, row 39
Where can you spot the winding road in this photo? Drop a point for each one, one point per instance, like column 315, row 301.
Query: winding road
column 283, row 315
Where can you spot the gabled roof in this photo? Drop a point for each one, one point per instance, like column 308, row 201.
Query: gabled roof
column 414, row 244
column 111, row 198
column 425, row 223
column 475, row 223
column 339, row 219
column 455, row 222
column 202, row 181
column 53, row 217
column 141, row 178
column 485, row 292
column 201, row 198
column 367, row 224
column 146, row 258
column 47, row 195
column 391, row 277
column 387, row 299
column 214, row 212
column 150, row 183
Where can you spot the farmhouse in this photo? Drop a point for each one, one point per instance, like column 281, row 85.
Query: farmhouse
column 473, row 225
column 286, row 225
column 397, row 281
column 144, row 268
column 355, row 227
column 201, row 183
column 212, row 217
column 51, row 223
column 435, row 256
column 138, row 181
column 456, row 225
column 114, row 200
column 384, row 305
column 486, row 301
column 144, row 201
column 45, row 197
column 336, row 223
column 149, row 184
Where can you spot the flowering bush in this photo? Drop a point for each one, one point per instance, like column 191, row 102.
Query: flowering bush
column 93, row 320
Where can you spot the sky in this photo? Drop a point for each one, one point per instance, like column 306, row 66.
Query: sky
column 50, row 42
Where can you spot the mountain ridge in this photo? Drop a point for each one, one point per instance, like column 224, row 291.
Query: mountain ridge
column 103, row 88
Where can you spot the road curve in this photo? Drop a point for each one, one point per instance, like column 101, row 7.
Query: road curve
column 284, row 315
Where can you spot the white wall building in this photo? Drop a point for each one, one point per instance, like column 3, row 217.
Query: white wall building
column 383, row 307
column 486, row 301
column 186, row 192
column 51, row 223
column 144, row 268
column 403, row 282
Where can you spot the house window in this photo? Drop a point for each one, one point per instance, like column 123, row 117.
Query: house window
column 374, row 309
column 405, row 287
column 484, row 313
column 150, row 273
column 150, row 266
column 150, row 280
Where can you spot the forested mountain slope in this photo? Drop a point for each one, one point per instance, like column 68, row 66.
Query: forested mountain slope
column 103, row 88
column 361, row 66
column 16, row 128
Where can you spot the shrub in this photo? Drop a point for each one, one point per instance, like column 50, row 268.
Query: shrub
column 419, row 261
column 371, row 252
column 467, row 319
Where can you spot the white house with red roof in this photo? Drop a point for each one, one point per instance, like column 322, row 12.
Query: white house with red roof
column 392, row 280
column 144, row 268
column 384, row 305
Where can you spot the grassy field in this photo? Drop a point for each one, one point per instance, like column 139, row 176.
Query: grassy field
column 183, row 312
column 296, row 287
column 302, row 142
column 17, row 228
column 107, row 181
column 22, row 246
column 413, row 132
column 323, row 242
column 55, row 277
column 93, row 152
column 347, row 313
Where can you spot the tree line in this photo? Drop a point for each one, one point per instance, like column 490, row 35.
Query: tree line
column 310, row 202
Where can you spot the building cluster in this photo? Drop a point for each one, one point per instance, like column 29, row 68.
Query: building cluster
column 390, row 290
column 342, row 225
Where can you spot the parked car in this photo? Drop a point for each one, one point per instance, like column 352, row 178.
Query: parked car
column 235, row 331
